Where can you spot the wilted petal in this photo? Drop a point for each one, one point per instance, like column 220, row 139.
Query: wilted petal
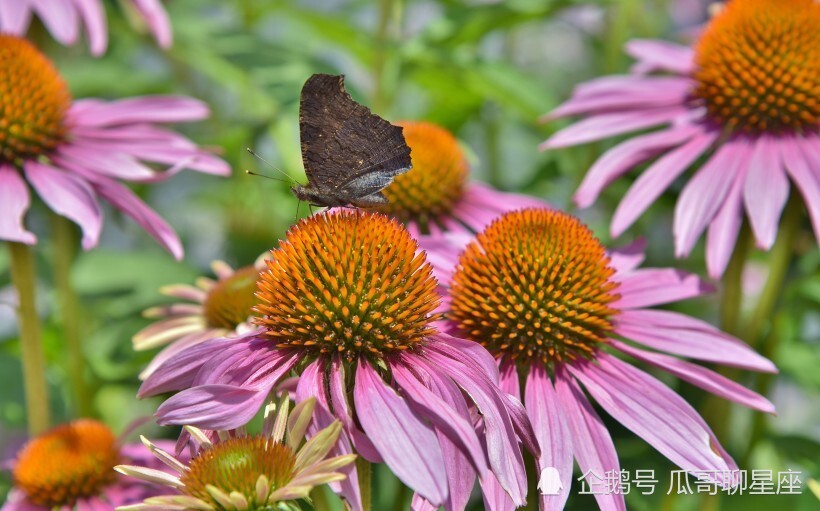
column 15, row 199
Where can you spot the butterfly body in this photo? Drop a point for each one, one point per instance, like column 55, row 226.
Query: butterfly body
column 349, row 153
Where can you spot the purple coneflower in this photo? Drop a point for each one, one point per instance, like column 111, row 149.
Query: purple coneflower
column 272, row 470
column 435, row 195
column 348, row 301
column 72, row 467
column 213, row 308
column 63, row 19
column 745, row 98
column 538, row 290
column 73, row 153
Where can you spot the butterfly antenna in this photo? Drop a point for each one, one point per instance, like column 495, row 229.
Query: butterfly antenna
column 251, row 173
column 269, row 164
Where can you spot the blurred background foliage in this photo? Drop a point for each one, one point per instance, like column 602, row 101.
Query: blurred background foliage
column 485, row 70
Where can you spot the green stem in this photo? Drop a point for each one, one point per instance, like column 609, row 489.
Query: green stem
column 732, row 295
column 400, row 504
column 65, row 247
column 382, row 41
column 318, row 498
column 779, row 259
column 365, row 473
column 764, row 383
column 31, row 343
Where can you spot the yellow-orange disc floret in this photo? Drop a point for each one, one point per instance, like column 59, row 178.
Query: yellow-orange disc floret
column 231, row 301
column 758, row 66
column 437, row 179
column 350, row 283
column 235, row 465
column 34, row 101
column 535, row 285
column 69, row 462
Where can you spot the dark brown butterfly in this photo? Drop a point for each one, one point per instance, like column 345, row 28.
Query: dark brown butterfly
column 350, row 154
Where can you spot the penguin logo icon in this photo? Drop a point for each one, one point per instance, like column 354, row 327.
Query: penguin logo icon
column 550, row 482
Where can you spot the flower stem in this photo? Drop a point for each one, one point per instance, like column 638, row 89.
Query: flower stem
column 388, row 11
column 65, row 246
column 732, row 295
column 31, row 343
column 319, row 499
column 365, row 473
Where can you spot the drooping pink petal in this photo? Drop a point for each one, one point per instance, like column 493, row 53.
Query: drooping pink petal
column 93, row 16
column 14, row 202
column 60, row 18
column 508, row 379
column 180, row 371
column 342, row 411
column 408, row 446
column 656, row 179
column 717, row 347
column 15, row 17
column 607, row 125
column 765, row 191
column 82, row 157
column 480, row 205
column 215, row 406
column 622, row 158
column 172, row 350
column 591, row 443
column 699, row 376
column 627, row 258
column 704, row 194
column 467, row 352
column 160, row 109
column 419, row 503
column 796, row 159
column 167, row 330
column 126, row 201
column 652, row 411
column 69, row 196
column 657, row 55
column 552, row 431
column 724, row 229
column 157, row 20
column 648, row 287
column 495, row 497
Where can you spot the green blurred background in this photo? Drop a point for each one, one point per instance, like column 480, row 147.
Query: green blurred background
column 485, row 70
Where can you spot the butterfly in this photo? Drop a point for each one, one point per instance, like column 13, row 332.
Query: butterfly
column 350, row 154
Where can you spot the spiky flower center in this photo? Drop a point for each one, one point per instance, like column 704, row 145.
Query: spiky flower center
column 758, row 66
column 347, row 282
column 231, row 301
column 437, row 179
column 34, row 101
column 67, row 463
column 235, row 466
column 535, row 285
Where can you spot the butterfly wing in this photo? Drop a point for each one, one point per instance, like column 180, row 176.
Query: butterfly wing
column 347, row 149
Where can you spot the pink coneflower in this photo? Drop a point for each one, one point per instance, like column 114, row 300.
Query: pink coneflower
column 537, row 289
column 272, row 470
column 64, row 18
column 73, row 153
column 72, row 467
column 435, row 195
column 213, row 308
column 745, row 98
column 348, row 302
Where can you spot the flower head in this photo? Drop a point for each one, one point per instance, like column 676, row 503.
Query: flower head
column 72, row 153
column 64, row 18
column 273, row 470
column 348, row 302
column 745, row 97
column 71, row 467
column 435, row 195
column 540, row 292
column 213, row 308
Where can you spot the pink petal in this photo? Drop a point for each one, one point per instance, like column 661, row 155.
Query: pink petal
column 338, row 398
column 723, row 231
column 142, row 109
column 82, row 157
column 508, row 379
column 467, row 352
column 179, row 371
column 126, row 201
column 656, row 55
column 622, row 158
column 173, row 349
column 766, row 191
column 648, row 287
column 654, row 412
column 215, row 406
column 656, row 179
column 15, row 17
column 93, row 15
column 692, row 342
column 608, row 125
column 14, row 202
column 495, row 497
column 408, row 446
column 553, row 434
column 60, row 18
column 705, row 193
column 651, row 93
column 591, row 443
column 627, row 258
column 797, row 159
column 706, row 379
column 68, row 196
column 157, row 19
